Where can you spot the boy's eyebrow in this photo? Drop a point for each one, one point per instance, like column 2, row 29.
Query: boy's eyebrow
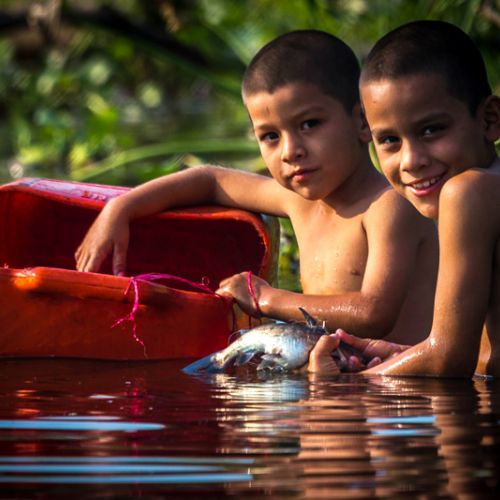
column 315, row 108
column 419, row 122
column 302, row 112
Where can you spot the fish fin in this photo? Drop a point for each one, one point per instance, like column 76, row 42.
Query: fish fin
column 271, row 363
column 244, row 358
column 204, row 365
column 309, row 319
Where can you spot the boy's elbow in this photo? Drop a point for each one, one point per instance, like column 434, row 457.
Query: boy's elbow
column 445, row 359
column 376, row 320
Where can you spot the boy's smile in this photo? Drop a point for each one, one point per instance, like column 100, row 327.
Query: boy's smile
column 423, row 136
column 310, row 144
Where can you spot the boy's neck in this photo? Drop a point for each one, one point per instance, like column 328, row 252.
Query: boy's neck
column 363, row 183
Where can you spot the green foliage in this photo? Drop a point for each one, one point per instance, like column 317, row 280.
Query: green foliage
column 120, row 91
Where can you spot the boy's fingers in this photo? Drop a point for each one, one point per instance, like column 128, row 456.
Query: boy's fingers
column 224, row 288
column 83, row 263
column 223, row 283
column 356, row 342
column 119, row 259
column 78, row 263
column 93, row 264
column 324, row 347
column 374, row 362
column 326, row 344
column 80, row 259
column 224, row 293
column 320, row 360
column 354, row 364
column 226, row 282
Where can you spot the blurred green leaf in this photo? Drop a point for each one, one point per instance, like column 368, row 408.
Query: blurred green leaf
column 127, row 90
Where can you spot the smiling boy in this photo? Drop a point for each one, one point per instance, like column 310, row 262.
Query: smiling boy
column 367, row 258
column 434, row 123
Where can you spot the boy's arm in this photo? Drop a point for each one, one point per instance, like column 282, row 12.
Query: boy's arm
column 468, row 233
column 195, row 186
column 375, row 350
column 394, row 232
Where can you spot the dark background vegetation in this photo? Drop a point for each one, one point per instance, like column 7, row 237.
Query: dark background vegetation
column 120, row 91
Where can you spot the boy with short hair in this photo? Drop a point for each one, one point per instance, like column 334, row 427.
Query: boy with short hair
column 434, row 123
column 368, row 259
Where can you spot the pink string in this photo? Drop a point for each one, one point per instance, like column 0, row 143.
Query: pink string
column 252, row 294
column 150, row 277
column 131, row 315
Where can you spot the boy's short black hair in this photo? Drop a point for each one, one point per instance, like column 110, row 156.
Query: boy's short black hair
column 431, row 47
column 305, row 56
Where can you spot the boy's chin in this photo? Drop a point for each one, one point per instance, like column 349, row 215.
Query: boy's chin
column 310, row 194
column 428, row 210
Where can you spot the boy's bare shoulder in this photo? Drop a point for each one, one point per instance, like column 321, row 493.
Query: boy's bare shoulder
column 469, row 207
column 391, row 208
column 473, row 188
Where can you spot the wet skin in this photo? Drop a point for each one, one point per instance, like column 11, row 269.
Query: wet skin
column 423, row 136
column 442, row 158
column 367, row 258
column 307, row 140
column 313, row 147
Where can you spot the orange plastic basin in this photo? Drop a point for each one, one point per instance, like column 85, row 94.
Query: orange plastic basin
column 47, row 308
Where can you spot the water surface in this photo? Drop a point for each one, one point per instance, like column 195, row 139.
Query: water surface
column 87, row 429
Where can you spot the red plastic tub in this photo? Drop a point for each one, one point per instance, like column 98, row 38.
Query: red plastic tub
column 47, row 308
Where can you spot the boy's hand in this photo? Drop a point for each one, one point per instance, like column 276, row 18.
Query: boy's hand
column 375, row 349
column 320, row 359
column 108, row 234
column 237, row 287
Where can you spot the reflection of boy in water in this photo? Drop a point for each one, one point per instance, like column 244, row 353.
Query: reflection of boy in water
column 368, row 259
column 434, row 123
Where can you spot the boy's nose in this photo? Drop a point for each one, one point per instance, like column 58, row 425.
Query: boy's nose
column 292, row 149
column 413, row 156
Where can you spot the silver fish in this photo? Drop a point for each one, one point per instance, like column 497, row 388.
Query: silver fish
column 280, row 346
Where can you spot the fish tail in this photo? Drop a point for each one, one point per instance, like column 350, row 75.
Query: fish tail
column 204, row 365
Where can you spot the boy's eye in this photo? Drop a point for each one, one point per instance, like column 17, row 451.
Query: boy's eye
column 307, row 124
column 431, row 129
column 268, row 137
column 387, row 140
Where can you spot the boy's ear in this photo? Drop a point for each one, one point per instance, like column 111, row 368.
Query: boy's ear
column 491, row 118
column 364, row 130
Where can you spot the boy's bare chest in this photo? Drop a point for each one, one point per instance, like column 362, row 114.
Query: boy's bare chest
column 333, row 255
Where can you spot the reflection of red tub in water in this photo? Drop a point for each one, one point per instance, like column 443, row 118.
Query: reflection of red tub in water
column 49, row 309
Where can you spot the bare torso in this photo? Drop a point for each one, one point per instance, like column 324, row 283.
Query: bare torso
column 334, row 250
column 333, row 253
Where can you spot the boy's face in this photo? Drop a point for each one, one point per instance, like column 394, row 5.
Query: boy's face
column 310, row 144
column 423, row 136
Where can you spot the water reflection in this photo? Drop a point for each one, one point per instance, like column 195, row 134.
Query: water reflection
column 146, row 429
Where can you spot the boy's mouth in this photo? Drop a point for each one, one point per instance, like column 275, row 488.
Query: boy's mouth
column 426, row 186
column 302, row 174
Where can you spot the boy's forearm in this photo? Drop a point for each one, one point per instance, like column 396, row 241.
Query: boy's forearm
column 190, row 187
column 428, row 358
column 354, row 312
